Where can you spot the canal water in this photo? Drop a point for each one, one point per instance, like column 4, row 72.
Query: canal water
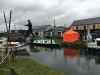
column 67, row 60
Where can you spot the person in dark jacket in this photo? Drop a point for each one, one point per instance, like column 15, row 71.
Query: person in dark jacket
column 29, row 29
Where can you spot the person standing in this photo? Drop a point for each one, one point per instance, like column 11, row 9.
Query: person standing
column 29, row 29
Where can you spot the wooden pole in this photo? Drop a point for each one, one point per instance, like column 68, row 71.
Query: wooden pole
column 54, row 26
column 8, row 31
column 9, row 24
column 12, row 70
column 10, row 20
column 6, row 27
column 9, row 35
column 12, row 55
column 5, row 21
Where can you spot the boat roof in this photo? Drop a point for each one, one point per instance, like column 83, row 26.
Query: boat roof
column 0, row 40
column 13, row 42
column 3, row 39
column 97, row 39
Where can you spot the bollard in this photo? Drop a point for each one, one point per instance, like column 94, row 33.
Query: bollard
column 13, row 71
column 6, row 50
column 12, row 55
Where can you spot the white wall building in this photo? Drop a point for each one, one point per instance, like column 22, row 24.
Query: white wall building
column 41, row 30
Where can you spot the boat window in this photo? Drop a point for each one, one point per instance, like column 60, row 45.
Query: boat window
column 0, row 42
column 4, row 41
column 93, row 40
column 14, row 45
column 10, row 45
column 45, row 41
column 98, row 43
column 36, row 41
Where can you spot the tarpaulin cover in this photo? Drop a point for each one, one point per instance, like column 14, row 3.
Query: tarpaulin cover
column 70, row 36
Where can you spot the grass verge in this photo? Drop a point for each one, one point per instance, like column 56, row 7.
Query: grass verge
column 76, row 42
column 25, row 66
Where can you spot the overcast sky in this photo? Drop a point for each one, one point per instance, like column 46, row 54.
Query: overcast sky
column 43, row 12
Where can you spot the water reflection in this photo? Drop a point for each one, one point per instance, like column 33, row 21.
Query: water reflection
column 34, row 49
column 38, row 48
column 93, row 56
column 68, row 60
column 71, row 53
column 22, row 53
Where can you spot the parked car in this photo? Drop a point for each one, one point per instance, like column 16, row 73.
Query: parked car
column 49, row 36
column 58, row 36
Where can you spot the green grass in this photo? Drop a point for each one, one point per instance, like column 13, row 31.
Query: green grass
column 58, row 40
column 76, row 42
column 24, row 66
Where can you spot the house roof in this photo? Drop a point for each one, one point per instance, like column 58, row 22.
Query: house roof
column 56, row 29
column 50, row 30
column 87, row 21
column 60, row 29
column 43, row 26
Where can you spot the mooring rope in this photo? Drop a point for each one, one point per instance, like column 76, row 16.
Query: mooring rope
column 4, row 69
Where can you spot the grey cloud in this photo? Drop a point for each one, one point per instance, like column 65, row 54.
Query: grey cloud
column 42, row 12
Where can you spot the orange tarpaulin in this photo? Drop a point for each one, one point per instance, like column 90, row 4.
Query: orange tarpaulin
column 71, row 52
column 70, row 36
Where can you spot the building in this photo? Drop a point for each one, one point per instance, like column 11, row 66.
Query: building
column 59, row 30
column 19, row 32
column 48, row 30
column 91, row 25
column 41, row 30
column 56, row 31
column 3, row 34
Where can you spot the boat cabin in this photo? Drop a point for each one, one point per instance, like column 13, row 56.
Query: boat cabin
column 14, row 44
column 97, row 41
column 47, row 41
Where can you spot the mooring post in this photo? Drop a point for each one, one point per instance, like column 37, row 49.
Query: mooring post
column 6, row 50
column 12, row 55
column 13, row 71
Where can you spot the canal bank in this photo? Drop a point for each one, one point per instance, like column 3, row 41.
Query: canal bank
column 75, row 44
column 25, row 66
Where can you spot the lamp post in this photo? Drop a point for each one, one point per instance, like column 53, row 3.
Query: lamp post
column 54, row 27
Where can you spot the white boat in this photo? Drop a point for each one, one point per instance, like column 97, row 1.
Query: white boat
column 94, row 46
column 16, row 46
